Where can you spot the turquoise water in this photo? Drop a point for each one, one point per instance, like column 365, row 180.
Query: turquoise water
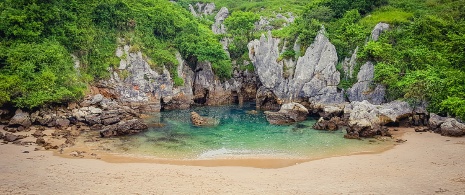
column 238, row 134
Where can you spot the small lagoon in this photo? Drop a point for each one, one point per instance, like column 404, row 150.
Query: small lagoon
column 239, row 135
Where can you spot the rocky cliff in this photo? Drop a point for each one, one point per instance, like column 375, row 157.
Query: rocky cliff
column 314, row 79
column 136, row 84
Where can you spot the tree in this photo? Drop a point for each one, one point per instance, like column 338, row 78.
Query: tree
column 241, row 26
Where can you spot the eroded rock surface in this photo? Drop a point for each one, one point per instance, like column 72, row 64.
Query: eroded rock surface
column 198, row 120
column 315, row 78
column 365, row 89
column 218, row 27
column 124, row 128
column 289, row 113
column 368, row 120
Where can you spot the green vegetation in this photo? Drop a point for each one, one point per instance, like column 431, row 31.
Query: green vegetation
column 264, row 7
column 420, row 59
column 423, row 60
column 38, row 38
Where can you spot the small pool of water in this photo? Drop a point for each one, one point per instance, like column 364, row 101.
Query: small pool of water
column 238, row 135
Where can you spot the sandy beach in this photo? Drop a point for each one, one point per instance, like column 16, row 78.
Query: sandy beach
column 426, row 164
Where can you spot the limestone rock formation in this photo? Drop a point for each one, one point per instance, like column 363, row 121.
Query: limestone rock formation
column 202, row 9
column 218, row 27
column 198, row 120
column 365, row 89
column 289, row 113
column 315, row 78
column 379, row 28
column 348, row 64
column 367, row 120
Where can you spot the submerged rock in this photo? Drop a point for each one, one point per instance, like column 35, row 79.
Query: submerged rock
column 198, row 120
column 289, row 113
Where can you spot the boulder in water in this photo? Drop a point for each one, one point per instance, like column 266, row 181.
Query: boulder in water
column 289, row 113
column 198, row 120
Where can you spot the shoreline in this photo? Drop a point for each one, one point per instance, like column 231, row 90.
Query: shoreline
column 426, row 163
column 270, row 161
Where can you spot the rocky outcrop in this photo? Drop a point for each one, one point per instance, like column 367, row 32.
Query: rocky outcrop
column 452, row 127
column 315, row 78
column 368, row 120
column 289, row 113
column 266, row 23
column 332, row 124
column 348, row 65
column 446, row 126
column 365, row 89
column 435, row 121
column 20, row 120
column 218, row 27
column 200, row 121
column 137, row 85
column 379, row 28
column 202, row 9
column 129, row 127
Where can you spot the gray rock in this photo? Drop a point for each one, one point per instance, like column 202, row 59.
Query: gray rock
column 92, row 119
column 96, row 99
column 451, row 127
column 367, row 120
column 365, row 89
column 435, row 121
column 62, row 123
column 110, row 121
column 95, row 110
column 315, row 77
column 349, row 64
column 20, row 119
column 379, row 28
column 129, row 127
column 289, row 113
column 218, row 27
column 202, row 9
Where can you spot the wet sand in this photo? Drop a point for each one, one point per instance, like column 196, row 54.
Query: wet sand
column 426, row 164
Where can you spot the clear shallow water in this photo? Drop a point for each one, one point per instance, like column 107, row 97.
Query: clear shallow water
column 238, row 135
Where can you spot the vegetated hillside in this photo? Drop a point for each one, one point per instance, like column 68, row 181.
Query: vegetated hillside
column 420, row 59
column 37, row 39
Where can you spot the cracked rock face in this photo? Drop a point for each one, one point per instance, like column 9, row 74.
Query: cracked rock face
column 364, row 89
column 315, row 78
column 218, row 27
